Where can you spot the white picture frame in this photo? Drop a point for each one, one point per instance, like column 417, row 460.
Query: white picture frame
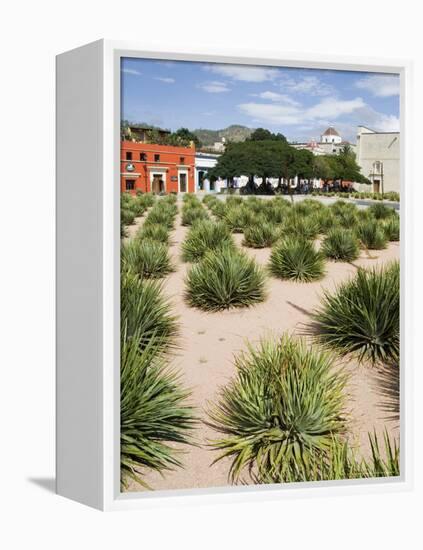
column 88, row 256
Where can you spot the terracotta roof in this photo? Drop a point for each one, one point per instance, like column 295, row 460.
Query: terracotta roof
column 330, row 132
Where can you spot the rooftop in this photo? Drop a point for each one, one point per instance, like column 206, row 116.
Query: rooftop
column 330, row 132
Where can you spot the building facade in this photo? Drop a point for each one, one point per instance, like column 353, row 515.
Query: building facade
column 378, row 155
column 148, row 167
column 331, row 143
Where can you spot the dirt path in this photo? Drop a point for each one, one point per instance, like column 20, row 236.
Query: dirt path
column 209, row 341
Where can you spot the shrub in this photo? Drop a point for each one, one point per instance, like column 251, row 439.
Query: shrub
column 127, row 217
column 239, row 217
column 306, row 227
column 154, row 232
column 146, row 258
column 298, row 260
column 341, row 244
column 281, row 412
column 362, row 316
column 161, row 216
column 391, row 226
column 261, row 235
column 148, row 199
column 154, row 413
column 381, row 211
column 218, row 209
column 325, row 220
column 138, row 207
column 275, row 213
column 203, row 237
column 191, row 215
column 342, row 462
column 371, row 235
column 145, row 312
column 225, row 278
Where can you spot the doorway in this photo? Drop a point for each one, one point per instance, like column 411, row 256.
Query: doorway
column 157, row 185
column 182, row 183
column 376, row 186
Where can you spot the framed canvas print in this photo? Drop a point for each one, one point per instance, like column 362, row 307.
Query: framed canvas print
column 231, row 298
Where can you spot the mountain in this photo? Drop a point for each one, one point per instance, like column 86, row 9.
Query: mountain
column 235, row 132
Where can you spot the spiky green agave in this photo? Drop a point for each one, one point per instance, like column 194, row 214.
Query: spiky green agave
column 362, row 315
column 298, row 260
column 204, row 236
column 280, row 413
column 154, row 412
column 341, row 245
column 147, row 258
column 225, row 278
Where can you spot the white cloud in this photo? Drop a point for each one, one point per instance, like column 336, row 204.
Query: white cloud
column 245, row 73
column 308, row 84
column 280, row 114
column 214, row 87
column 333, row 108
column 277, row 98
column 131, row 71
column 165, row 79
column 388, row 123
column 380, row 85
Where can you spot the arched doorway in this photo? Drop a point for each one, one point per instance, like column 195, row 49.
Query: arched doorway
column 157, row 184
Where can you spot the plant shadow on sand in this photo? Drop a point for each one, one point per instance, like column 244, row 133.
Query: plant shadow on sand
column 386, row 380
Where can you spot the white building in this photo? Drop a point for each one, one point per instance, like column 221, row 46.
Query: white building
column 330, row 136
column 203, row 163
column 331, row 143
column 378, row 155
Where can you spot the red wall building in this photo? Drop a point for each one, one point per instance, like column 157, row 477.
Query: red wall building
column 156, row 168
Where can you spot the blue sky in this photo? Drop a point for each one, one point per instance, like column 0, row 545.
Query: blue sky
column 300, row 103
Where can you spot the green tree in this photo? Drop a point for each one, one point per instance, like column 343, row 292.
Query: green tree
column 184, row 137
column 261, row 134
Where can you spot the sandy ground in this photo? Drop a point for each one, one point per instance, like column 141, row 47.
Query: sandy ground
column 210, row 340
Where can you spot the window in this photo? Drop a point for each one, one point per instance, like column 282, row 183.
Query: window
column 156, row 158
column 128, row 155
column 182, row 160
column 130, row 185
column 143, row 156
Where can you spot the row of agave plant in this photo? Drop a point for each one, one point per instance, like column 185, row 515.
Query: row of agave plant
column 282, row 418
column 155, row 408
column 132, row 207
column 222, row 276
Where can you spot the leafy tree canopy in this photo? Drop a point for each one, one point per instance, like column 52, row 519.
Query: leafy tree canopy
column 261, row 134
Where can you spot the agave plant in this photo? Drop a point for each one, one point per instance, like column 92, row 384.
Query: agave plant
column 391, row 227
column 154, row 232
column 261, row 235
column 298, row 260
column 146, row 312
column 341, row 245
column 147, row 199
column 280, row 413
column 154, row 412
column 127, row 217
column 225, row 278
column 193, row 214
column 146, row 258
column 218, row 209
column 381, row 211
column 325, row 220
column 239, row 217
column 306, row 227
column 343, row 462
column 204, row 236
column 362, row 316
column 161, row 216
column 371, row 235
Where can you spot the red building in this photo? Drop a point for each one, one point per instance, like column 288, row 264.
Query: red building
column 155, row 168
